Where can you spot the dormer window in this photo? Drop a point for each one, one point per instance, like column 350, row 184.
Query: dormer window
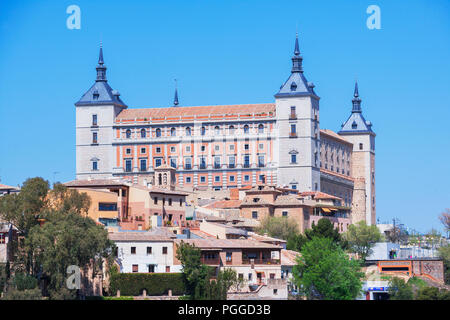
column 354, row 125
column 95, row 95
column 143, row 133
column 128, row 134
column 158, row 132
column 293, row 86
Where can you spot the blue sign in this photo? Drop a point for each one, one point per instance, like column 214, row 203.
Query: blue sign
column 377, row 289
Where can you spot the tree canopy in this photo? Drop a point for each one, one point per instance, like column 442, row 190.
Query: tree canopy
column 325, row 272
column 278, row 227
column 361, row 238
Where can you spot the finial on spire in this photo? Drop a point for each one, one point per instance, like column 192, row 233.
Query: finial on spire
column 175, row 101
column 296, row 50
column 356, row 93
column 100, row 56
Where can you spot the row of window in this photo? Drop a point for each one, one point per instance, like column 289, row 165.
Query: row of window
column 188, row 163
column 188, row 148
column 149, row 250
column 188, row 131
column 169, row 200
column 151, row 268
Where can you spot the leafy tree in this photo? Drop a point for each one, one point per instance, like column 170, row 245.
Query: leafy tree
column 432, row 293
column 217, row 289
column 324, row 228
column 296, row 241
column 22, row 281
column 278, row 227
column 400, row 290
column 396, row 235
column 27, row 294
column 361, row 238
column 196, row 275
column 325, row 272
column 444, row 253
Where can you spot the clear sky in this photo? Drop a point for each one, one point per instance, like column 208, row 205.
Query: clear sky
column 236, row 52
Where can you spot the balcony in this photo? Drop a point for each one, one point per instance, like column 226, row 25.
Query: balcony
column 292, row 134
column 293, row 116
column 260, row 261
column 210, row 262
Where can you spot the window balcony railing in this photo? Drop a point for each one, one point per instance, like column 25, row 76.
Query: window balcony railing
column 202, row 166
column 246, row 165
column 187, row 167
column 293, row 116
column 217, row 166
column 260, row 261
column 292, row 134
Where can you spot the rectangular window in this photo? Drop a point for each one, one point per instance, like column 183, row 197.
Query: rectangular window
column 247, row 161
column 246, row 146
column 158, row 150
column 217, row 178
column 172, row 149
column 128, row 151
column 260, row 161
column 293, row 158
column 231, row 147
column 94, row 137
column 135, row 268
column 143, row 165
column 202, row 163
column 155, row 200
column 188, row 179
column 293, row 129
column 164, row 250
column 284, row 213
column 188, row 163
column 202, row 148
column 217, row 148
column 261, row 146
column 167, row 269
column 151, row 268
column 229, row 257
column 246, row 178
column 158, row 162
column 143, row 150
column 217, row 162
column 188, row 149
column 94, row 166
column 254, row 214
column 94, row 119
column 128, row 165
column 231, row 178
column 173, row 162
column 149, row 250
column 231, row 162
column 103, row 206
column 133, row 250
column 202, row 179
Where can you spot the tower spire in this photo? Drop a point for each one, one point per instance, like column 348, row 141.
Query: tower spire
column 175, row 100
column 297, row 58
column 356, row 100
column 101, row 68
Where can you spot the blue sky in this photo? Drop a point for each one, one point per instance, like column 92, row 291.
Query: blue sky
column 233, row 52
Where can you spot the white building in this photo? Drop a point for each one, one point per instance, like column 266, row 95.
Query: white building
column 144, row 252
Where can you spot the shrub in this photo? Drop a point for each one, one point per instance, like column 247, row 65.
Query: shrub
column 156, row 284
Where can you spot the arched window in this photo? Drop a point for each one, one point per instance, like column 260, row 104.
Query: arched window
column 158, row 132
column 246, row 129
column 173, row 132
column 203, row 131
column 128, row 133
column 188, row 131
column 261, row 128
column 143, row 133
column 231, row 129
column 217, row 129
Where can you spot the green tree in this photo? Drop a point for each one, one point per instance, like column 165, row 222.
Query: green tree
column 278, row 227
column 361, row 238
column 325, row 272
column 432, row 293
column 324, row 228
column 400, row 290
column 444, row 253
column 296, row 241
column 196, row 275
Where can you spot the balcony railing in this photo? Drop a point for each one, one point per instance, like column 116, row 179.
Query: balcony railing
column 210, row 261
column 293, row 134
column 293, row 116
column 260, row 261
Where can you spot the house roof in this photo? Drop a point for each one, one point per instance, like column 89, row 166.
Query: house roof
column 224, row 204
column 334, row 135
column 124, row 236
column 96, row 183
column 319, row 195
column 288, row 257
column 356, row 122
column 129, row 114
column 5, row 187
column 219, row 244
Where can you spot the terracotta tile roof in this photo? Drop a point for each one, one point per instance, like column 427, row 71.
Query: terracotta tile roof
column 288, row 257
column 319, row 195
column 5, row 187
column 264, row 238
column 96, row 183
column 337, row 174
column 288, row 199
column 334, row 135
column 219, row 244
column 137, row 236
column 193, row 111
column 224, row 204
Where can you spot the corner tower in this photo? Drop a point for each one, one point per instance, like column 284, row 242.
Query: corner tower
column 358, row 131
column 297, row 146
column 95, row 114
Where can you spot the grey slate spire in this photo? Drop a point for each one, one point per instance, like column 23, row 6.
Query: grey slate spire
column 175, row 100
column 296, row 85
column 101, row 68
column 297, row 58
column 356, row 100
column 356, row 121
